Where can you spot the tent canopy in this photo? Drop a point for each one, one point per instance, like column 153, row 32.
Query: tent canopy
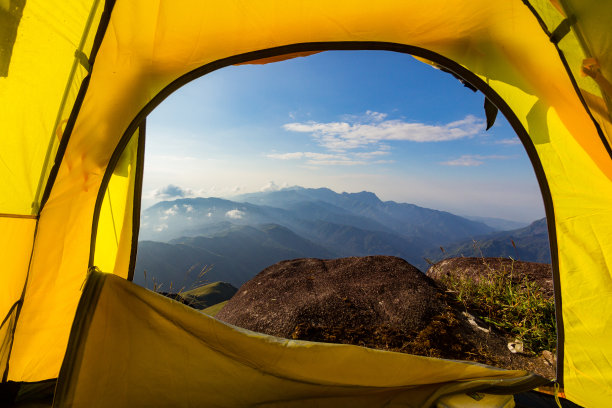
column 78, row 78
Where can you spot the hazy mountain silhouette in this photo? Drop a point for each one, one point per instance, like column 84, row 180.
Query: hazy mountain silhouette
column 235, row 254
column 240, row 237
column 530, row 244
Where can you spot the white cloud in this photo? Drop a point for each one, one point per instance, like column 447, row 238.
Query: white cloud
column 514, row 141
column 171, row 211
column 300, row 155
column 161, row 227
column 468, row 160
column 272, row 186
column 368, row 117
column 326, row 159
column 235, row 214
column 172, row 191
column 188, row 208
column 377, row 116
column 370, row 155
column 342, row 136
column 209, row 215
column 360, row 139
column 341, row 162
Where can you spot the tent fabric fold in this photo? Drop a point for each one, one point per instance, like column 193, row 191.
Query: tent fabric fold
column 154, row 351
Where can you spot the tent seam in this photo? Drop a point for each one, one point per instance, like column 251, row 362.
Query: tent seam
column 570, row 75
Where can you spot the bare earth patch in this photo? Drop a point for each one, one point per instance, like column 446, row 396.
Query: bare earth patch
column 379, row 302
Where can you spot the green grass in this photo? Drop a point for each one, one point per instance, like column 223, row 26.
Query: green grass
column 204, row 290
column 514, row 305
column 214, row 309
column 198, row 282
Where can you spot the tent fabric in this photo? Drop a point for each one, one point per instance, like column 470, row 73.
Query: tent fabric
column 586, row 45
column 15, row 242
column 556, row 92
column 38, row 92
column 39, row 80
column 192, row 359
column 113, row 242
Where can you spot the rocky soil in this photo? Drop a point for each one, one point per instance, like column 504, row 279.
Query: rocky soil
column 376, row 301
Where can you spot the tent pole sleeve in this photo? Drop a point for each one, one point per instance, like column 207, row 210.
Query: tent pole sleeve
column 140, row 158
column 102, row 26
column 75, row 64
column 600, row 132
column 110, row 168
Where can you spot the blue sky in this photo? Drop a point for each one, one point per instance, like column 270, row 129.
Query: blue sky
column 347, row 120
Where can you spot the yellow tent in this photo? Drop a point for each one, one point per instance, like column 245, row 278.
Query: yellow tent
column 77, row 80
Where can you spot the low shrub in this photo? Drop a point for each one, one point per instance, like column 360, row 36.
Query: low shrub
column 512, row 304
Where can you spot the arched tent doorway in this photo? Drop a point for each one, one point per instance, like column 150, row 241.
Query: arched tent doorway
column 117, row 155
column 303, row 50
column 496, row 47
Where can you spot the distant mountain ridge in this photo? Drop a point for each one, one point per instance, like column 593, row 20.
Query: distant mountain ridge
column 498, row 223
column 242, row 236
column 290, row 207
column 234, row 254
column 530, row 244
column 405, row 219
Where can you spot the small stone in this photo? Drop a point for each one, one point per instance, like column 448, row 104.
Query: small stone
column 516, row 346
column 548, row 357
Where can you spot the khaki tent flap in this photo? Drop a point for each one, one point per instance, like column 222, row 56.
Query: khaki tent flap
column 154, row 351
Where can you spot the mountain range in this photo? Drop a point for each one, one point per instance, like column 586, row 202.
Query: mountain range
column 237, row 238
column 524, row 244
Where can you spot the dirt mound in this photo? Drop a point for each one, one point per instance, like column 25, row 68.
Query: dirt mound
column 376, row 301
column 368, row 291
column 482, row 268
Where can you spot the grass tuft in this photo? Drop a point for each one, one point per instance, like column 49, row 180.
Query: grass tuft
column 513, row 304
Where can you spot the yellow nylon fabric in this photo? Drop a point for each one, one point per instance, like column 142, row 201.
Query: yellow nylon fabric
column 591, row 38
column 15, row 248
column 152, row 351
column 588, row 41
column 6, row 330
column 42, row 73
column 114, row 234
column 582, row 196
column 151, row 43
column 584, row 226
